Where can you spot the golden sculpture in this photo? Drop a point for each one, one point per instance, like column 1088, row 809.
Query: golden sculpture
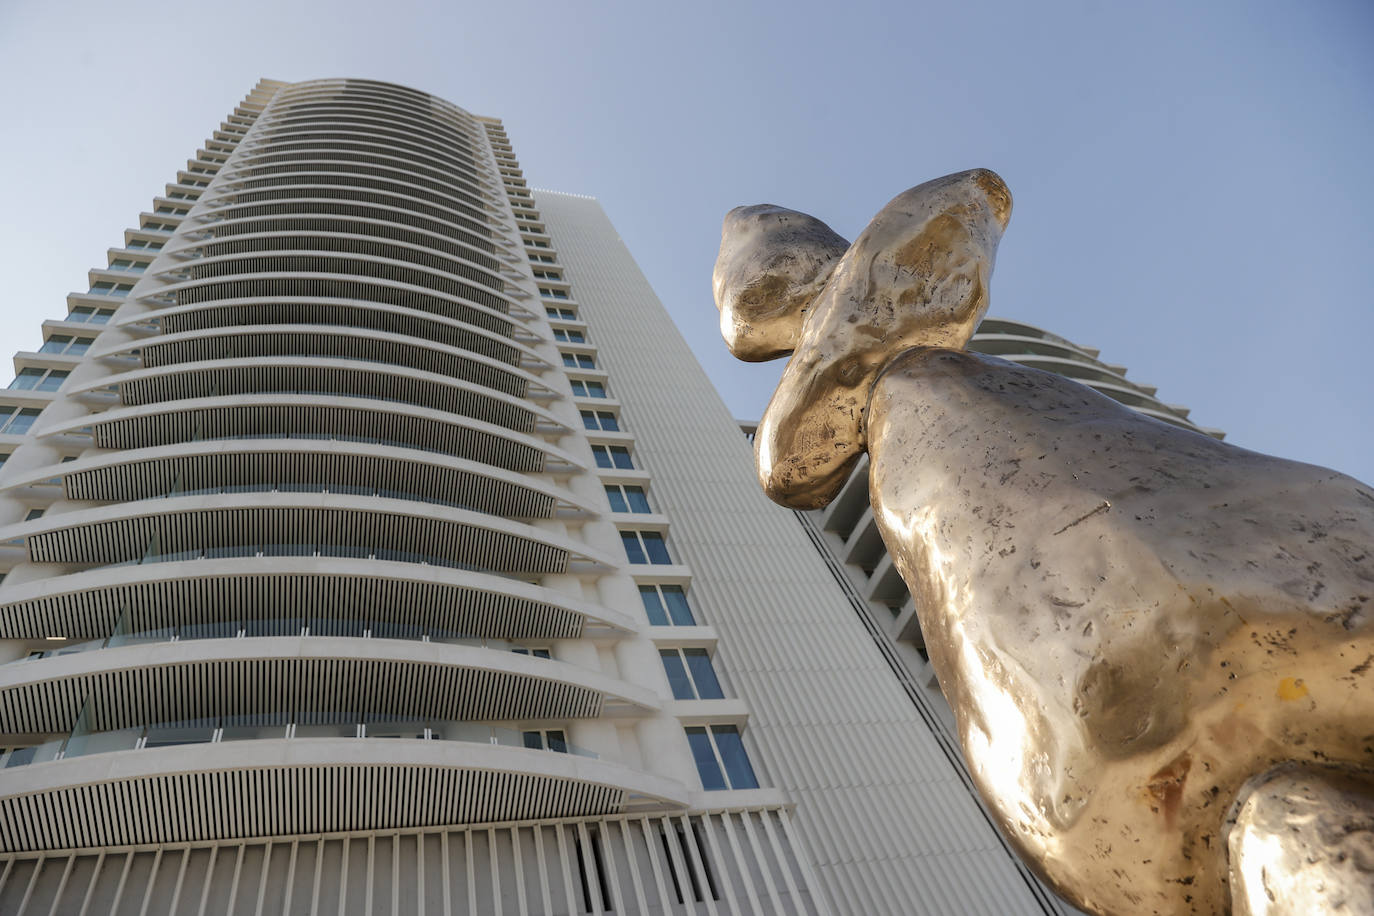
column 1140, row 629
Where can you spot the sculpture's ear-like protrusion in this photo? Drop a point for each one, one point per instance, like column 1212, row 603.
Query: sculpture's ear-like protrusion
column 773, row 263
column 916, row 277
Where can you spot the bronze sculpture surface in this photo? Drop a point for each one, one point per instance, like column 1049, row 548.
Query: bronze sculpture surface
column 1140, row 629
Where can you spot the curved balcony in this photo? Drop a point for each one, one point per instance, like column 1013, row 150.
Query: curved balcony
column 322, row 171
column 271, row 160
column 297, row 524
column 374, row 149
column 293, row 340
column 352, row 192
column 458, row 204
column 307, row 785
column 325, row 594
column 302, row 203
column 374, row 267
column 301, row 679
column 318, row 375
column 396, row 141
column 420, row 126
column 370, row 316
column 294, row 416
column 366, row 245
column 427, row 132
column 305, row 466
column 373, row 230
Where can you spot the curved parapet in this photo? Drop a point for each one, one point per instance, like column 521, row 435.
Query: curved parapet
column 313, row 416
column 266, row 465
column 296, row 524
column 321, row 375
column 343, row 343
column 312, row 785
column 207, row 595
column 165, row 599
column 302, row 678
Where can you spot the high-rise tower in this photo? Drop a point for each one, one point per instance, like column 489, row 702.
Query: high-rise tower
column 372, row 542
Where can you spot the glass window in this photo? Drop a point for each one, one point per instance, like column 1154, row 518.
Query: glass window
column 708, row 767
column 600, row 419
column 569, row 336
column 634, row 550
column 578, row 360
column 81, row 313
column 79, row 346
column 703, row 675
column 19, row 422
column 550, row 739
column 645, row 547
column 589, row 420
column 585, row 389
column 666, row 605
column 627, row 498
column 612, row 456
column 537, row 653
column 55, row 344
column 734, row 757
column 678, row 679
column 53, row 380
column 102, row 316
column 27, row 379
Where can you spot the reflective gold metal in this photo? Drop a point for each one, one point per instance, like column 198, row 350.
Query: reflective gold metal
column 1130, row 620
column 1303, row 844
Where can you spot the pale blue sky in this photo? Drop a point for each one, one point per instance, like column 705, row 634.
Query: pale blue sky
column 1192, row 180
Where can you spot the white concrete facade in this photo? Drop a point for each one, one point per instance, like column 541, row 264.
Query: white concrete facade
column 373, row 543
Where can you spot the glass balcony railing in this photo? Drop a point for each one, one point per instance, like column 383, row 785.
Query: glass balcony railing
column 82, row 743
column 291, row 626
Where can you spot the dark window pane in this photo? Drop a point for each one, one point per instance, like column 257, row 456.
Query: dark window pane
column 608, row 421
column 733, row 756
column 22, row 422
column 26, row 379
column 703, row 675
column 596, row 390
column 557, row 742
column 621, row 457
column 534, row 741
column 711, row 776
column 654, row 546
column 633, row 549
column 603, row 457
column 637, row 500
column 53, row 381
column 678, row 610
column 677, row 675
column 568, row 360
column 585, row 361
column 617, row 499
column 653, row 605
column 589, row 420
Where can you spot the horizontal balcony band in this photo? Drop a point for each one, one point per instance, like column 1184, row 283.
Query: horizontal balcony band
column 416, row 125
column 391, row 93
column 310, row 342
column 323, row 376
column 269, row 679
column 356, row 243
column 304, row 204
column 336, row 264
column 400, row 125
column 484, row 311
column 343, row 227
column 325, row 190
column 331, row 158
column 207, row 594
column 271, row 523
column 367, row 149
column 313, row 417
column 388, row 110
column 300, row 465
column 241, row 182
column 271, row 138
column 371, row 316
column 306, row 786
